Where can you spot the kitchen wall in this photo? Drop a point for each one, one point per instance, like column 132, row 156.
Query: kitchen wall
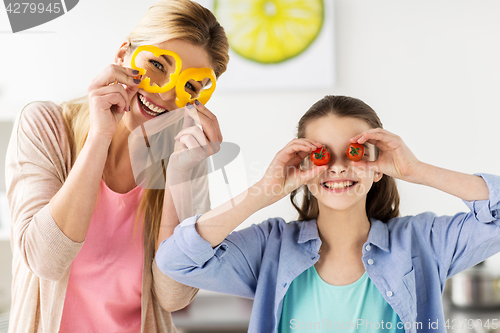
column 429, row 68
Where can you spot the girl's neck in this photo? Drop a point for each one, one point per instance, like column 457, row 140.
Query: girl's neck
column 342, row 231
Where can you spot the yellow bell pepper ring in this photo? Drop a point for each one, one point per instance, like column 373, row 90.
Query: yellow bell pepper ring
column 146, row 81
column 197, row 74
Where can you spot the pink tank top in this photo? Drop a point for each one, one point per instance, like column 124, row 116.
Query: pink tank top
column 105, row 280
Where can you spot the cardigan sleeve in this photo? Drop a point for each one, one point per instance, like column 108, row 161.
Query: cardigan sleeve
column 38, row 161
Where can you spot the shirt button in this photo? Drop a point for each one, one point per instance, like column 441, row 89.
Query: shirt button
column 389, row 293
column 368, row 248
column 370, row 261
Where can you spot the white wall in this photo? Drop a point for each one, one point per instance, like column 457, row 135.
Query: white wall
column 429, row 68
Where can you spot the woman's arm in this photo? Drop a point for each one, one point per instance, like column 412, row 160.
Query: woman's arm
column 73, row 205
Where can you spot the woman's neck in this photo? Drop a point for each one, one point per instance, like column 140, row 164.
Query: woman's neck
column 118, row 149
column 343, row 231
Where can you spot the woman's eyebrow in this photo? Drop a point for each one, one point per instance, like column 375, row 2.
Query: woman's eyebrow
column 166, row 59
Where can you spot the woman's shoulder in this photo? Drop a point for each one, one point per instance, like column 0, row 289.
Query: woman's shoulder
column 41, row 125
column 41, row 114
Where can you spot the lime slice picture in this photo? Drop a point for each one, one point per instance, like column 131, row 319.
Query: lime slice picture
column 270, row 31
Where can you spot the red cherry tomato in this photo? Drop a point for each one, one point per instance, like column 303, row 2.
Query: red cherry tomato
column 355, row 152
column 320, row 156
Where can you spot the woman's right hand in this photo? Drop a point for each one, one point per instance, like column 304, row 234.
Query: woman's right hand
column 284, row 173
column 108, row 100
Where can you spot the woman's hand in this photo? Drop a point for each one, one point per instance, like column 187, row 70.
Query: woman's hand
column 284, row 173
column 108, row 100
column 395, row 158
column 195, row 144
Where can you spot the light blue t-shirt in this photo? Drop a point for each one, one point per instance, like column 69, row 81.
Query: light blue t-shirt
column 312, row 305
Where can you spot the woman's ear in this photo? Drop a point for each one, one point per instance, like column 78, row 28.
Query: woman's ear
column 122, row 51
column 377, row 176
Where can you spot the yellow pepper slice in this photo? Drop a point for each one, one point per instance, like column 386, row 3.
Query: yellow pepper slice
column 146, row 81
column 197, row 74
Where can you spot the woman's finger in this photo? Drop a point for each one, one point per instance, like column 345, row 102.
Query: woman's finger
column 115, row 73
column 195, row 132
column 189, row 142
column 106, row 101
column 114, row 90
column 191, row 117
column 209, row 123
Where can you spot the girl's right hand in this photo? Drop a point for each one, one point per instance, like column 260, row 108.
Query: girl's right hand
column 108, row 100
column 284, row 173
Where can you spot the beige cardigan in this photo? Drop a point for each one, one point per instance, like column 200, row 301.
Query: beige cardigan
column 38, row 161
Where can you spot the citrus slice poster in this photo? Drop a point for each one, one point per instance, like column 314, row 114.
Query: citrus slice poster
column 270, row 31
column 277, row 44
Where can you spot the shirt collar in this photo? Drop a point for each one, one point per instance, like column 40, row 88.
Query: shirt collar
column 379, row 234
column 308, row 231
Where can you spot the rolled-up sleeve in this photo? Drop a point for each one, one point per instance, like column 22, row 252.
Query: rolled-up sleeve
column 465, row 239
column 232, row 267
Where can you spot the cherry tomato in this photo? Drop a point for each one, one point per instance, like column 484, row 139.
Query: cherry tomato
column 320, row 156
column 355, row 152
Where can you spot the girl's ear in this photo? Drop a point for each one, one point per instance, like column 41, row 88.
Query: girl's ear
column 120, row 55
column 377, row 176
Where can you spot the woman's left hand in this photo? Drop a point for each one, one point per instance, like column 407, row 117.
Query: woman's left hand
column 395, row 158
column 194, row 144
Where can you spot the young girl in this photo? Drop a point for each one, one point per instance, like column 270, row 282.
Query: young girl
column 78, row 265
column 349, row 263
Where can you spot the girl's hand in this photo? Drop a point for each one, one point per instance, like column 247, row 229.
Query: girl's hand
column 195, row 144
column 108, row 100
column 284, row 173
column 395, row 158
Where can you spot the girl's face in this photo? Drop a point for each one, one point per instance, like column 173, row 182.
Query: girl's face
column 342, row 186
column 145, row 106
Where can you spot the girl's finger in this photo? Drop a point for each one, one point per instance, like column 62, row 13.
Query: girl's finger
column 313, row 172
column 313, row 144
column 380, row 139
column 370, row 165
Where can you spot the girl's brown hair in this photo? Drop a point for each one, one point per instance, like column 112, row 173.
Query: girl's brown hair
column 382, row 201
column 165, row 20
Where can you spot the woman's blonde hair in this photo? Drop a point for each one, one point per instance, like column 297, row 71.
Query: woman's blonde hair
column 382, row 200
column 165, row 20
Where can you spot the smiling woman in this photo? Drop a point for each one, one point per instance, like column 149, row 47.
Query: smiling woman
column 84, row 234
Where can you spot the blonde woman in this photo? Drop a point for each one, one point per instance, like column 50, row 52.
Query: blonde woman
column 80, row 264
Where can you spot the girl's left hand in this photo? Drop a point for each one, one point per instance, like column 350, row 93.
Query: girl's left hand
column 395, row 158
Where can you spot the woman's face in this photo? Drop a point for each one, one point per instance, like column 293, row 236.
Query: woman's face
column 342, row 186
column 145, row 106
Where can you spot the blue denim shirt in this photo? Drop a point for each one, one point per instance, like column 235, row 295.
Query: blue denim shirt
column 408, row 259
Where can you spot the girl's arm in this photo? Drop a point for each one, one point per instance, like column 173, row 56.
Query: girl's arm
column 398, row 161
column 457, row 242
column 282, row 177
